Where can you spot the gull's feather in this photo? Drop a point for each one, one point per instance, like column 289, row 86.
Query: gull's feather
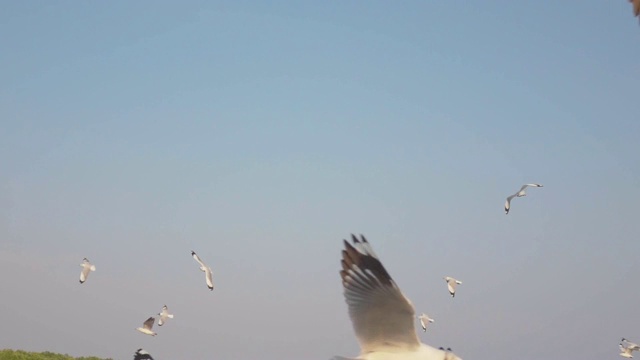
column 381, row 315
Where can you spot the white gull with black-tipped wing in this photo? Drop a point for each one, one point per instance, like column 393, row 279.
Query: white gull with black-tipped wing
column 424, row 321
column 142, row 355
column 207, row 270
column 382, row 317
column 146, row 327
column 164, row 315
column 451, row 285
column 87, row 267
column 520, row 193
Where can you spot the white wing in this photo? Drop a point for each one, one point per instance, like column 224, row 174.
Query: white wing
column 87, row 267
column 195, row 256
column 451, row 285
column 381, row 315
column 525, row 186
column 507, row 204
column 209, row 277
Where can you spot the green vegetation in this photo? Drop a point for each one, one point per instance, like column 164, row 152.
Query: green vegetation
column 8, row 354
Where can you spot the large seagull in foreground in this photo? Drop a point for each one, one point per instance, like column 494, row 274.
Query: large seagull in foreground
column 382, row 317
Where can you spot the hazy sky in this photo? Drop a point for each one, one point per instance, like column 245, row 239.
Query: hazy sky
column 260, row 134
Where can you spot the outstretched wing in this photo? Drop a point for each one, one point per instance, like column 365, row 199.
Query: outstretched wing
column 507, row 204
column 142, row 355
column 195, row 256
column 209, row 277
column 86, row 268
column 381, row 315
column 451, row 285
column 149, row 323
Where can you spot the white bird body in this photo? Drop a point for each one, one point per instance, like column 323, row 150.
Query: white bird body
column 424, row 321
column 451, row 285
column 87, row 267
column 382, row 317
column 626, row 351
column 147, row 326
column 208, row 274
column 520, row 193
column 164, row 315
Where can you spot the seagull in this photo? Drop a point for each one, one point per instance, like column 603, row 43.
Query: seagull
column 146, row 327
column 636, row 7
column 142, row 355
column 630, row 345
column 164, row 315
column 520, row 193
column 451, row 285
column 207, row 270
column 626, row 351
column 424, row 321
column 86, row 268
column 382, row 317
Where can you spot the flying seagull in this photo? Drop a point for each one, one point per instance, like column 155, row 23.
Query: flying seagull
column 142, row 355
column 146, row 327
column 520, row 193
column 451, row 284
column 636, row 7
column 164, row 315
column 626, row 351
column 630, row 345
column 207, row 270
column 424, row 321
column 87, row 267
column 382, row 317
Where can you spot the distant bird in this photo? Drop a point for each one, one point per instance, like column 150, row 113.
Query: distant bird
column 164, row 315
column 626, row 351
column 142, row 355
column 424, row 321
column 520, row 193
column 146, row 327
column 630, row 345
column 636, row 7
column 382, row 317
column 207, row 270
column 451, row 285
column 87, row 267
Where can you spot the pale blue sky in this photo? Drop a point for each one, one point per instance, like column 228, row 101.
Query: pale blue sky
column 260, row 134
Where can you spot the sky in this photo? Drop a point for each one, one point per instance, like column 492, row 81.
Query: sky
column 261, row 134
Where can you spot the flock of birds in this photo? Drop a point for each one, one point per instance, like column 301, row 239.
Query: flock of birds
column 382, row 317
column 163, row 315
